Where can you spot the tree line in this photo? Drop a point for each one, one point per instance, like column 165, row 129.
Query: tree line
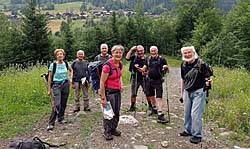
column 151, row 6
column 221, row 39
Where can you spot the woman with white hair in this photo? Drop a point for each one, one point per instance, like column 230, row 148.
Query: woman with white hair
column 194, row 73
column 110, row 90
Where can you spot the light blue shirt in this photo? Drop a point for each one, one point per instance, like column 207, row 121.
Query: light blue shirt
column 61, row 73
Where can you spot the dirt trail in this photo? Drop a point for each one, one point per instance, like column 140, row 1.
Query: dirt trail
column 148, row 133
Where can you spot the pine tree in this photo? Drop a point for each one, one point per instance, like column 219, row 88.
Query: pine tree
column 35, row 35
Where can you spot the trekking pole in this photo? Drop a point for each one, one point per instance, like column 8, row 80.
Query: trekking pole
column 135, row 90
column 50, row 96
column 167, row 96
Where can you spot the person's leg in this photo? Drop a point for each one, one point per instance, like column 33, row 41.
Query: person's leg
column 187, row 112
column 143, row 85
column 85, row 97
column 133, row 94
column 150, row 93
column 77, row 97
column 199, row 101
column 108, row 124
column 64, row 99
column 159, row 91
column 116, row 105
column 57, row 101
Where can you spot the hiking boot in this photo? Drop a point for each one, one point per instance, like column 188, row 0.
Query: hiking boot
column 195, row 140
column 107, row 136
column 185, row 134
column 62, row 122
column 76, row 110
column 116, row 133
column 50, row 127
column 161, row 119
column 152, row 112
column 132, row 108
column 86, row 109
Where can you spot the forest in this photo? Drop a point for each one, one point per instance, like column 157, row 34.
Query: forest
column 221, row 39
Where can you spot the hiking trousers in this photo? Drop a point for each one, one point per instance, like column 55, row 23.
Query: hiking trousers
column 60, row 94
column 78, row 88
column 194, row 104
column 115, row 101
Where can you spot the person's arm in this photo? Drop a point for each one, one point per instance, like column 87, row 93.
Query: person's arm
column 104, row 77
column 182, row 87
column 49, row 82
column 70, row 75
column 128, row 55
column 165, row 65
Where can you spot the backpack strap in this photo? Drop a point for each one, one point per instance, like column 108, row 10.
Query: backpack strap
column 67, row 65
column 98, row 57
column 158, row 62
column 111, row 68
column 50, row 145
column 54, row 68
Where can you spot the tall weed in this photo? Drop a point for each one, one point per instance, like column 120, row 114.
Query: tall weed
column 230, row 100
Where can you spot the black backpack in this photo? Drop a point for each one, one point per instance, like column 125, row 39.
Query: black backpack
column 34, row 143
column 54, row 70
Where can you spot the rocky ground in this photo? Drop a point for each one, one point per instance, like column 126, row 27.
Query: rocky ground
column 145, row 133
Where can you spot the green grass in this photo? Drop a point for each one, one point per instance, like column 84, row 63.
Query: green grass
column 23, row 100
column 66, row 7
column 230, row 101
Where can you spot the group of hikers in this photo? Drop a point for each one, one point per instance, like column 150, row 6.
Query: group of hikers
column 146, row 71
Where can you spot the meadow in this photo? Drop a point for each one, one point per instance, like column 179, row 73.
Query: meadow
column 24, row 99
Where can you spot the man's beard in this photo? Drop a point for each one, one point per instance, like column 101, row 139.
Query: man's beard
column 188, row 59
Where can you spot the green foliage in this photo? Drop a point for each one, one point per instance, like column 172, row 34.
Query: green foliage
column 229, row 103
column 164, row 36
column 231, row 47
column 188, row 13
column 208, row 26
column 10, row 42
column 35, row 36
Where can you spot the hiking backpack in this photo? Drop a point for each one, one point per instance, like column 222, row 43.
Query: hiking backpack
column 159, row 65
column 34, row 143
column 95, row 69
column 54, row 70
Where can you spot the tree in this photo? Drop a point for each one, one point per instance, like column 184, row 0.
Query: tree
column 114, row 35
column 164, row 35
column 231, row 47
column 207, row 26
column 35, row 35
column 188, row 13
column 10, row 42
column 67, row 39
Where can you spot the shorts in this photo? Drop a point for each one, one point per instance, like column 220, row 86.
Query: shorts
column 153, row 86
column 135, row 86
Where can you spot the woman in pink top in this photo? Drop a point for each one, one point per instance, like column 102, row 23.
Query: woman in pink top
column 110, row 90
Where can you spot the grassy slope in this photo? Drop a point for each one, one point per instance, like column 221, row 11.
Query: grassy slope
column 66, row 7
